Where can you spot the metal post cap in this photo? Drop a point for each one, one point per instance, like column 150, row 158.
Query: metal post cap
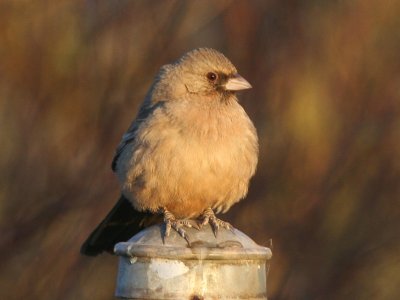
column 229, row 266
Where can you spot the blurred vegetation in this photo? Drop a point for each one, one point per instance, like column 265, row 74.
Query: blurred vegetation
column 326, row 78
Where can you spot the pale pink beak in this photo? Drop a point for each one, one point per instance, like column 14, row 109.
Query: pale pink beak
column 237, row 83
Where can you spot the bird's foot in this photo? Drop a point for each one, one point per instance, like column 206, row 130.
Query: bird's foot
column 208, row 217
column 171, row 222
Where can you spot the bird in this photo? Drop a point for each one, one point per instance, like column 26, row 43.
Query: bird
column 189, row 153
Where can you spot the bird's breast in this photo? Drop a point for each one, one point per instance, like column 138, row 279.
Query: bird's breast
column 193, row 161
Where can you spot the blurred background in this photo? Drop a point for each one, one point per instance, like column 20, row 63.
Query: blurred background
column 325, row 101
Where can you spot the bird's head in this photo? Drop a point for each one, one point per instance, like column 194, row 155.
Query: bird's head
column 207, row 71
column 204, row 72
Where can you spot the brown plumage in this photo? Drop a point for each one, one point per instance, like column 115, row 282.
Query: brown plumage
column 191, row 148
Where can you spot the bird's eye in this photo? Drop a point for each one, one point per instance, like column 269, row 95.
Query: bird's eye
column 212, row 76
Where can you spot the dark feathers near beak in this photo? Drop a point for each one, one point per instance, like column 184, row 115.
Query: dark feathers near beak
column 236, row 83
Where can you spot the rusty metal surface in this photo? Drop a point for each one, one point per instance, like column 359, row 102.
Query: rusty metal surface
column 229, row 266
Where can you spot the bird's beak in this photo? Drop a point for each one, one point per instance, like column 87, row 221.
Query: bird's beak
column 237, row 83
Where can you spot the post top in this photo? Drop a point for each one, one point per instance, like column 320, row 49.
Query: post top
column 204, row 245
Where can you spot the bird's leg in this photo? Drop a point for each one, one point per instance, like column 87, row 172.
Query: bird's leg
column 208, row 217
column 171, row 222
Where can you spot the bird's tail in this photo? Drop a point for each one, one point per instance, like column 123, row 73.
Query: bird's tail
column 121, row 223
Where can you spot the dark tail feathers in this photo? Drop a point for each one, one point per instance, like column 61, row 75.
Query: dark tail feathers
column 121, row 223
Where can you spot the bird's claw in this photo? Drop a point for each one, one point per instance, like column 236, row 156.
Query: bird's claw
column 210, row 218
column 171, row 222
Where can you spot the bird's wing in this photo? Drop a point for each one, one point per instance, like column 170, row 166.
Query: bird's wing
column 129, row 136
